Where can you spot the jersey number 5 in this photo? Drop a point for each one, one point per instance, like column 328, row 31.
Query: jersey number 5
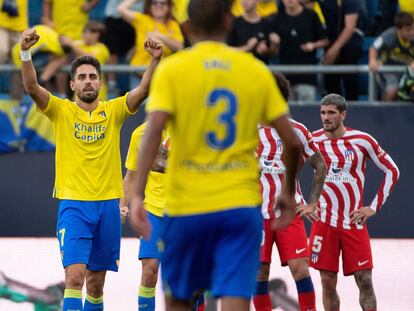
column 227, row 118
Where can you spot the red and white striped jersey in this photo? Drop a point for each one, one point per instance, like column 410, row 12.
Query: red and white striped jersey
column 346, row 159
column 270, row 154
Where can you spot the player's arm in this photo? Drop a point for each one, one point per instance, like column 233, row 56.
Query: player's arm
column 124, row 8
column 136, row 96
column 148, row 150
column 38, row 93
column 292, row 151
column 385, row 163
column 318, row 180
column 124, row 202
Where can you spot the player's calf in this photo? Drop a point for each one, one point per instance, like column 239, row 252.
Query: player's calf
column 367, row 297
column 299, row 267
column 330, row 296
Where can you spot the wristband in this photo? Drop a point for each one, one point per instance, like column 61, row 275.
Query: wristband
column 25, row 55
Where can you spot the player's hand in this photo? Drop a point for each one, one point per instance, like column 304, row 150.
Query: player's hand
column 138, row 218
column 124, row 213
column 309, row 211
column 274, row 38
column 154, row 47
column 360, row 216
column 286, row 204
column 262, row 48
column 29, row 38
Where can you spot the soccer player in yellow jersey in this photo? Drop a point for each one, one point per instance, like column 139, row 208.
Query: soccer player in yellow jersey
column 154, row 205
column 88, row 170
column 213, row 97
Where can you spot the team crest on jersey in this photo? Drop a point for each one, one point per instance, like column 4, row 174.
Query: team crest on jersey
column 349, row 155
column 279, row 145
column 102, row 114
column 314, row 257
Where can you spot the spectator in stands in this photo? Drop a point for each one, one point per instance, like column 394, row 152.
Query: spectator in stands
column 264, row 8
column 406, row 89
column 301, row 33
column 119, row 37
column 345, row 46
column 250, row 32
column 395, row 46
column 91, row 45
column 13, row 20
column 67, row 17
column 156, row 22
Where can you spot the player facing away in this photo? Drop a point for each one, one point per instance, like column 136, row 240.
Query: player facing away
column 291, row 242
column 149, row 254
column 212, row 225
column 342, row 225
column 88, row 170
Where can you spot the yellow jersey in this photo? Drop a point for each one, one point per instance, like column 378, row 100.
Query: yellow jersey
column 68, row 17
column 48, row 43
column 264, row 8
column 18, row 23
column 101, row 53
column 406, row 6
column 143, row 24
column 179, row 10
column 214, row 111
column 88, row 160
column 154, row 191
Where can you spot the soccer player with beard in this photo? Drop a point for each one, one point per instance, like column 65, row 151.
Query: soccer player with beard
column 342, row 217
column 88, row 169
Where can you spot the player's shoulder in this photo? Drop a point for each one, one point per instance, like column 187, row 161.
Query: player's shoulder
column 360, row 136
column 319, row 134
column 299, row 126
column 139, row 130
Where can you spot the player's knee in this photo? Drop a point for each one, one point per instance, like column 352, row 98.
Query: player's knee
column 264, row 271
column 364, row 281
column 329, row 280
column 94, row 286
column 149, row 273
column 74, row 279
column 300, row 272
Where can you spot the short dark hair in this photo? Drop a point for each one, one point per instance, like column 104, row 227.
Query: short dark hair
column 335, row 99
column 403, row 19
column 147, row 8
column 208, row 16
column 84, row 60
column 283, row 84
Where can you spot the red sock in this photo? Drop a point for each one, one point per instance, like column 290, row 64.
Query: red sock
column 262, row 302
column 200, row 307
column 307, row 301
column 371, row 310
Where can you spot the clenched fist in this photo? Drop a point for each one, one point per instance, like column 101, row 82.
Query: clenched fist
column 29, row 38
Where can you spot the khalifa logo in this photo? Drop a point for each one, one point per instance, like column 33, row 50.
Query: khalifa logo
column 336, row 170
column 349, row 155
column 314, row 257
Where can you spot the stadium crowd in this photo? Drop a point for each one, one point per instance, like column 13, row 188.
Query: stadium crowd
column 286, row 32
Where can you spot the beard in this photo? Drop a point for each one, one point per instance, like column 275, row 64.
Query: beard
column 88, row 97
column 330, row 127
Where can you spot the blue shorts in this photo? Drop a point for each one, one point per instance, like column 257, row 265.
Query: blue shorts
column 89, row 232
column 217, row 251
column 149, row 248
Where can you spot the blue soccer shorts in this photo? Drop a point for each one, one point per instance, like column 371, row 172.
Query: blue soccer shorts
column 149, row 248
column 89, row 232
column 217, row 251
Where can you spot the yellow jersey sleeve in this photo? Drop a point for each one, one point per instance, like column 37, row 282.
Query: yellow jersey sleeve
column 161, row 98
column 132, row 156
column 53, row 107
column 119, row 108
